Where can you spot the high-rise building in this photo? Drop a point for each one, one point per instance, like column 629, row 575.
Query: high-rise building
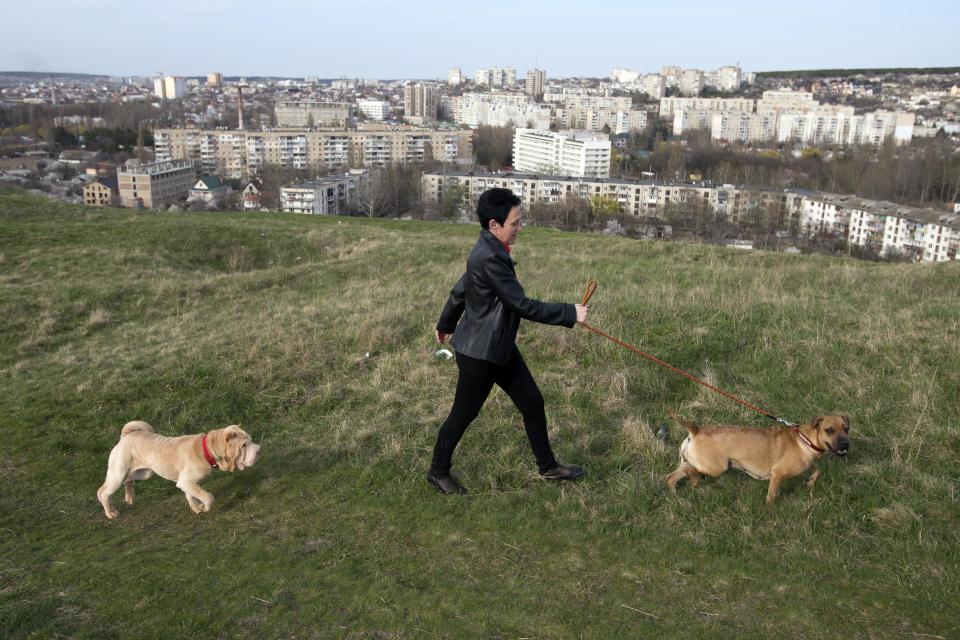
column 536, row 78
column 691, row 82
column 170, row 87
column 455, row 76
column 215, row 80
column 568, row 153
column 420, row 101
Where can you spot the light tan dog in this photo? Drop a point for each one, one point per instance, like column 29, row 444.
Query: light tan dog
column 765, row 454
column 185, row 460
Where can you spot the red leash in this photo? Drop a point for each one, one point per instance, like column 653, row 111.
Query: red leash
column 589, row 291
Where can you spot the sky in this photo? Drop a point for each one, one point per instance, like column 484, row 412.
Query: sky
column 392, row 39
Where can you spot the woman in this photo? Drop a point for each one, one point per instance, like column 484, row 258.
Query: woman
column 491, row 302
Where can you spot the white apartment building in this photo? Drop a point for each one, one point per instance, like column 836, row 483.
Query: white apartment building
column 595, row 119
column 536, row 78
column 739, row 126
column 624, row 76
column 567, row 153
column 331, row 195
column 669, row 106
column 635, row 197
column 728, row 78
column 829, row 126
column 496, row 77
column 374, row 109
column 929, row 236
column 455, row 77
column 170, row 87
column 691, row 82
column 498, row 110
column 786, row 99
column 308, row 113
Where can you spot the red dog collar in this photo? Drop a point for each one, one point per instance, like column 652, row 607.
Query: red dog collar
column 806, row 440
column 206, row 452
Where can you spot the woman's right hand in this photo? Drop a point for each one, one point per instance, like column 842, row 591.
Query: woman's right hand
column 581, row 312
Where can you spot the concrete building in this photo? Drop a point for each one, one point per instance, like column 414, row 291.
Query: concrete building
column 239, row 154
column 455, row 77
column 331, row 195
column 374, row 109
column 420, row 101
column 568, row 153
column 496, row 77
column 498, row 109
column 691, row 82
column 596, row 119
column 634, row 197
column 668, row 106
column 728, row 78
column 155, row 184
column 739, row 126
column 304, row 113
column 536, row 78
column 170, row 87
column 215, row 80
column 101, row 192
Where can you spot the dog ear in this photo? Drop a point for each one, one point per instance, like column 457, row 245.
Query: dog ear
column 846, row 421
column 815, row 421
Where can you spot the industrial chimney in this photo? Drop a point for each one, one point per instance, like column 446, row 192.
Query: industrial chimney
column 240, row 106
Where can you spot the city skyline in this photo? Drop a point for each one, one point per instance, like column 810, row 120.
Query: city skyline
column 393, row 40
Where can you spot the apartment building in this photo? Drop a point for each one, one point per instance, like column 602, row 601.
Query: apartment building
column 455, row 77
column 304, row 113
column 420, row 101
column 331, row 195
column 639, row 198
column 925, row 234
column 155, row 184
column 536, row 78
column 669, row 106
column 496, row 77
column 498, row 109
column 237, row 154
column 595, row 119
column 215, row 80
column 572, row 153
column 170, row 87
column 739, row 126
column 691, row 82
column 374, row 109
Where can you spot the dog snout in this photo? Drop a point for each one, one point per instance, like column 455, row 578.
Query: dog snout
column 253, row 453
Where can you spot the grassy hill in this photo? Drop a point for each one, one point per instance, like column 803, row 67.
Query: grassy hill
column 196, row 321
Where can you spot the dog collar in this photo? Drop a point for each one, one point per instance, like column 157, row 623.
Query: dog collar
column 206, row 452
column 806, row 440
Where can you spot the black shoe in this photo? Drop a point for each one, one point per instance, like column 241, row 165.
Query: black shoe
column 563, row 472
column 446, row 483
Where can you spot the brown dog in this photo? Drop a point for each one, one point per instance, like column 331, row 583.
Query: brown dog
column 775, row 454
column 185, row 460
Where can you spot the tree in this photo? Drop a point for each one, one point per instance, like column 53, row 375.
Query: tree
column 373, row 195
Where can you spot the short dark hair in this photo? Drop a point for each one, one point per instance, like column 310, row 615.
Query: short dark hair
column 495, row 204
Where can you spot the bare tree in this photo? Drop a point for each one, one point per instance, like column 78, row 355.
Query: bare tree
column 374, row 194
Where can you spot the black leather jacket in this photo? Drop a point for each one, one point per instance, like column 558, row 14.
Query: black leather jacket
column 492, row 302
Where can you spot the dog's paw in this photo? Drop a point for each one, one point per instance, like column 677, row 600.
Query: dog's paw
column 128, row 499
column 113, row 513
column 196, row 507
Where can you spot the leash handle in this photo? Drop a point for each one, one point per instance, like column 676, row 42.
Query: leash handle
column 589, row 291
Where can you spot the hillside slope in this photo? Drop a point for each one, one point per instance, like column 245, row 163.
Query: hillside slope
column 195, row 321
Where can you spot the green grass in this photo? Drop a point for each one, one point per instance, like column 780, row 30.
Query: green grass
column 196, row 321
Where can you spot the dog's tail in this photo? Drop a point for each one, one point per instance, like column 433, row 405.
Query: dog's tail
column 692, row 428
column 136, row 425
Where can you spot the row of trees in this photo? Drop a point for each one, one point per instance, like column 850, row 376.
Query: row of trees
column 926, row 173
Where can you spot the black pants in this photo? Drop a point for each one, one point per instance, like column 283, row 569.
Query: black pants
column 477, row 378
